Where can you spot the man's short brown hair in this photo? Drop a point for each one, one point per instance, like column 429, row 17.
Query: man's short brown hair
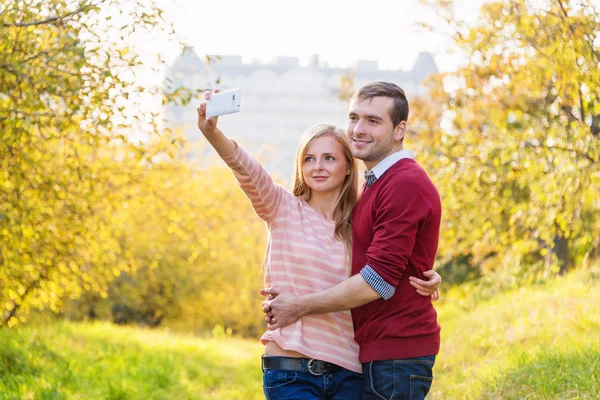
column 399, row 111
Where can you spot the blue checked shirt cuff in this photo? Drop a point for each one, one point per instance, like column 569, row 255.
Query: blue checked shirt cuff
column 385, row 290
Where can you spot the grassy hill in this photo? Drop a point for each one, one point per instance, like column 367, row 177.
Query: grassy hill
column 534, row 343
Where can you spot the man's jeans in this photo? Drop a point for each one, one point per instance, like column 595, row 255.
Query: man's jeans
column 406, row 379
column 290, row 385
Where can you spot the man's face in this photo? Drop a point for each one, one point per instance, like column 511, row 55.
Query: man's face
column 370, row 130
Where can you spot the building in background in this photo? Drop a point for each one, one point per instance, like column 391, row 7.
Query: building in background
column 279, row 100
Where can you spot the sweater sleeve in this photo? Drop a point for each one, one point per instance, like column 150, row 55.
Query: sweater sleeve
column 400, row 211
column 265, row 195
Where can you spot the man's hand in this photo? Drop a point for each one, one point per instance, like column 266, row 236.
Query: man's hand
column 280, row 309
column 430, row 287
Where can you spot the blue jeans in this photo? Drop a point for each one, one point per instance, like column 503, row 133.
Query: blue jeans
column 290, row 385
column 406, row 379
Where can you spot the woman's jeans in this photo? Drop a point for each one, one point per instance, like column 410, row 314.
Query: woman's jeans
column 291, row 385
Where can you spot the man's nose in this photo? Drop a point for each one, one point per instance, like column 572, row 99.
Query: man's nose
column 359, row 128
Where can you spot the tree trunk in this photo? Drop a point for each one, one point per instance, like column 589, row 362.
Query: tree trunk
column 561, row 249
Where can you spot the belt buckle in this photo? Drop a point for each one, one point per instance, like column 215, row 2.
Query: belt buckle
column 309, row 366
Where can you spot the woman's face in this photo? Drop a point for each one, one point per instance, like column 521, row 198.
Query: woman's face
column 324, row 166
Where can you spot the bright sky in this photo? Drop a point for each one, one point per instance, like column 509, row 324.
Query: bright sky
column 339, row 31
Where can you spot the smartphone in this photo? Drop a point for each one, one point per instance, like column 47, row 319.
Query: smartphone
column 222, row 103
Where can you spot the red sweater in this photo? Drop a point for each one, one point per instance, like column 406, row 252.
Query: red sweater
column 395, row 230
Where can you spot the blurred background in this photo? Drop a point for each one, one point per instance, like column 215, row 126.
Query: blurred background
column 130, row 261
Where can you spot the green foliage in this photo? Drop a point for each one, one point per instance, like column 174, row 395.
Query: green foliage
column 94, row 224
column 68, row 168
column 192, row 262
column 517, row 160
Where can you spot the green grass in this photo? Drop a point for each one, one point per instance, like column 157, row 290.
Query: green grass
column 101, row 361
column 534, row 343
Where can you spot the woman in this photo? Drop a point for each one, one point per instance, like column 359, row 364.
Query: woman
column 308, row 250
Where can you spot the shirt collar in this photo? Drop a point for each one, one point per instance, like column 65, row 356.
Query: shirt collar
column 390, row 160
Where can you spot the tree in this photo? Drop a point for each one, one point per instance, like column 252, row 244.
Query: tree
column 64, row 101
column 518, row 160
column 193, row 263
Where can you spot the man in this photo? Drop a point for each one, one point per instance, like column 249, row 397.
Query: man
column 395, row 235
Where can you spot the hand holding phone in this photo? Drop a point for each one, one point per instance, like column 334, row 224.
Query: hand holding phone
column 221, row 103
column 208, row 123
column 217, row 103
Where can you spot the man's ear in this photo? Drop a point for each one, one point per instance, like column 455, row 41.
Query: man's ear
column 399, row 131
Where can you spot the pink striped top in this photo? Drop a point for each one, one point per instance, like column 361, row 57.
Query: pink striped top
column 302, row 256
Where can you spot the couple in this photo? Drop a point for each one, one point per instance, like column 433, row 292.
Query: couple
column 330, row 251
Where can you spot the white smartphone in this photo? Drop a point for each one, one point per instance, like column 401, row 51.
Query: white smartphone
column 222, row 103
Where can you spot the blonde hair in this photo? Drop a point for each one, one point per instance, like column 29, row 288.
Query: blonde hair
column 343, row 208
